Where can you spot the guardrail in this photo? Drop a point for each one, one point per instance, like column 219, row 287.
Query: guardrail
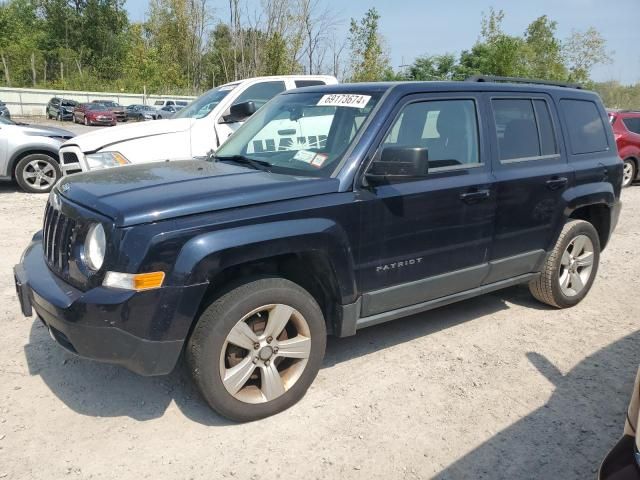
column 31, row 102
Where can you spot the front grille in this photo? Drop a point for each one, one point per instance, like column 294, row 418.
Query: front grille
column 69, row 157
column 58, row 232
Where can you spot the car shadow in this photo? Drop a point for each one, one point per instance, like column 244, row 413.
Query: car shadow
column 570, row 435
column 97, row 389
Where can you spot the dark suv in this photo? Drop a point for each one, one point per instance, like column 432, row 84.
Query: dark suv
column 60, row 108
column 626, row 130
column 332, row 209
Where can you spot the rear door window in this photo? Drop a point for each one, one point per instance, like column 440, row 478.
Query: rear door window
column 261, row 93
column 585, row 125
column 632, row 124
column 524, row 129
column 308, row 83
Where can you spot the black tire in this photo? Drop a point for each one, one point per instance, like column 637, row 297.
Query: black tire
column 204, row 348
column 41, row 158
column 546, row 288
column 629, row 164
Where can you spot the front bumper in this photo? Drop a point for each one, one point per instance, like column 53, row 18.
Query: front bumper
column 622, row 462
column 142, row 331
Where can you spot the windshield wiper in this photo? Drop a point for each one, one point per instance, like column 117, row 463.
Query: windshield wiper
column 253, row 163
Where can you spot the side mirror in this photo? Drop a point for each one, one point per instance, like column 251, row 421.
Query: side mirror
column 398, row 163
column 239, row 112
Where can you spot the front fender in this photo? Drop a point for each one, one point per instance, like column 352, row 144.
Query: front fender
column 207, row 254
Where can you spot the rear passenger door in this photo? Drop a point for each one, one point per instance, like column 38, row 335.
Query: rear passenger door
column 531, row 173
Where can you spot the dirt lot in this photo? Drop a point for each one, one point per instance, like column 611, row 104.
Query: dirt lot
column 495, row 387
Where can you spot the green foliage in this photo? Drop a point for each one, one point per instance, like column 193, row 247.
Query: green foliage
column 615, row 95
column 536, row 54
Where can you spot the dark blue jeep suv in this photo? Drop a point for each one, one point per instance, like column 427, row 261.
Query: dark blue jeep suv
column 331, row 209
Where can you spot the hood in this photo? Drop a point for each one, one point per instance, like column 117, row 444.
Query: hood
column 44, row 131
column 98, row 139
column 151, row 192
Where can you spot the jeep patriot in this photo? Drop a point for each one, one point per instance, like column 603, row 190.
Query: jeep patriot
column 332, row 209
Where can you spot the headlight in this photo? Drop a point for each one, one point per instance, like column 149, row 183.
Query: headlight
column 98, row 161
column 94, row 247
column 148, row 117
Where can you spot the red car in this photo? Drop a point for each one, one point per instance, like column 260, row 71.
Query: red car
column 93, row 114
column 626, row 129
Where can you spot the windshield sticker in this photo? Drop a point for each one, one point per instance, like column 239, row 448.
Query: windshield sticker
column 304, row 156
column 227, row 87
column 319, row 160
column 344, row 100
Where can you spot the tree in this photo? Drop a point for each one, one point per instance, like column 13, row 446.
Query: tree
column 583, row 51
column 369, row 61
column 543, row 51
column 433, row 67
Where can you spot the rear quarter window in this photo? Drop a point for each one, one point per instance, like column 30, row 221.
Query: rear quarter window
column 585, row 125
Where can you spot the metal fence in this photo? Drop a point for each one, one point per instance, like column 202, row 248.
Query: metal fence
column 30, row 102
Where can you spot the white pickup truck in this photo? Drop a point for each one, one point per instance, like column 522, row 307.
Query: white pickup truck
column 194, row 131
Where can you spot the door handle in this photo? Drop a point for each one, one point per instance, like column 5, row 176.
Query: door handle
column 475, row 196
column 555, row 183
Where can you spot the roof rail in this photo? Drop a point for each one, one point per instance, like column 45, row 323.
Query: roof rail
column 493, row 78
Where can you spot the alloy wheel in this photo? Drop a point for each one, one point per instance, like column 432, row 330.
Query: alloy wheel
column 628, row 172
column 265, row 353
column 576, row 265
column 39, row 174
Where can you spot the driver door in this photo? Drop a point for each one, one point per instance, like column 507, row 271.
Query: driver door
column 428, row 237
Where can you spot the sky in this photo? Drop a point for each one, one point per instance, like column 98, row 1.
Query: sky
column 425, row 27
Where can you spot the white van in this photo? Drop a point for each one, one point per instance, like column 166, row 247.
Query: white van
column 194, row 131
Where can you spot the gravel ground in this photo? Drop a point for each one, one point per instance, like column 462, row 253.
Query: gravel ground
column 495, row 387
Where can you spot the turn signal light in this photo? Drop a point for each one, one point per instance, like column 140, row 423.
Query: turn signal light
column 134, row 281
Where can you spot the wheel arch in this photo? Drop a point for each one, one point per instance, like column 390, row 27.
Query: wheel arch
column 314, row 253
column 593, row 203
column 20, row 154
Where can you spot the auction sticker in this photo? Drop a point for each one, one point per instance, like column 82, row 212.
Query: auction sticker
column 344, row 100
column 304, row 156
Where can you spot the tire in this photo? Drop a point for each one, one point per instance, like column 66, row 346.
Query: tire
column 629, row 171
column 209, row 353
column 25, row 169
column 558, row 284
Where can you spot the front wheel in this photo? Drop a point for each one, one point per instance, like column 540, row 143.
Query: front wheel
column 256, row 349
column 570, row 268
column 628, row 172
column 37, row 173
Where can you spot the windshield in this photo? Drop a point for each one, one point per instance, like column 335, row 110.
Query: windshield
column 69, row 103
column 202, row 106
column 300, row 134
column 97, row 106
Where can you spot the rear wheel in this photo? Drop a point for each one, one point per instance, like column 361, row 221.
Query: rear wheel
column 570, row 268
column 629, row 171
column 37, row 173
column 256, row 349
